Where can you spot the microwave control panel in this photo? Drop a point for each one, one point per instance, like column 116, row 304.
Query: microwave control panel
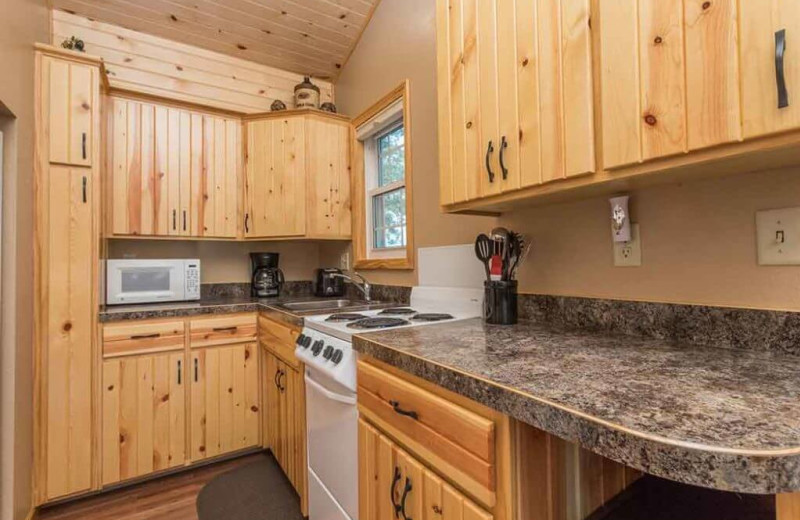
column 192, row 280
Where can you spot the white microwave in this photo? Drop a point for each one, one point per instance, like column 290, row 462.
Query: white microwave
column 148, row 281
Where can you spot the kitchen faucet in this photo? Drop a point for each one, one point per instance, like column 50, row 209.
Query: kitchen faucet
column 364, row 286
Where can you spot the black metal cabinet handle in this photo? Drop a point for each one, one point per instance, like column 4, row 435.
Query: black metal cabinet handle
column 489, row 151
column 280, row 386
column 184, row 220
column 406, row 491
column 225, row 329
column 275, row 379
column 180, row 372
column 780, row 75
column 247, row 222
column 395, row 480
column 146, row 336
column 195, row 370
column 174, row 219
column 83, row 145
column 407, row 413
column 503, row 146
column 83, row 183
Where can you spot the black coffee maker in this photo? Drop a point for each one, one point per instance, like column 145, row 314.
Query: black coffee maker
column 267, row 279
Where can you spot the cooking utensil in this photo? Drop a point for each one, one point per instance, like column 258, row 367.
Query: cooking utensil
column 525, row 251
column 502, row 237
column 483, row 250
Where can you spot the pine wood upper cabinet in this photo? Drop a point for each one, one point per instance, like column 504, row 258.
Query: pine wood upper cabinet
column 225, row 399
column 173, row 172
column 67, row 232
column 275, row 179
column 670, row 77
column 68, row 88
column 392, row 480
column 284, row 420
column 515, row 95
column 144, row 415
column 298, row 176
column 764, row 26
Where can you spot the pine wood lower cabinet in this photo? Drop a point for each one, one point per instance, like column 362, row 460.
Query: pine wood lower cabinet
column 392, row 483
column 284, row 420
column 225, row 410
column 144, row 415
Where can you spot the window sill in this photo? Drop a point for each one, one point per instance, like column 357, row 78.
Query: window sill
column 384, row 263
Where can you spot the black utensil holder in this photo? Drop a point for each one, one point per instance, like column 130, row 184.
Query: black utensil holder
column 500, row 302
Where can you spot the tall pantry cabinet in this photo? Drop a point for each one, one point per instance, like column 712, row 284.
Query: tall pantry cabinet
column 67, row 245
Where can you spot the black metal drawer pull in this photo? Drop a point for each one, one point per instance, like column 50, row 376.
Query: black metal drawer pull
column 406, row 491
column 146, row 336
column 780, row 75
column 179, row 371
column 407, row 413
column 196, row 370
column 395, row 480
column 503, row 146
column 489, row 151
column 225, row 329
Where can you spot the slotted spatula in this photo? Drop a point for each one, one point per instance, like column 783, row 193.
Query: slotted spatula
column 483, row 250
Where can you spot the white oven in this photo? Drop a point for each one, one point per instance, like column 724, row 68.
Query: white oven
column 148, row 281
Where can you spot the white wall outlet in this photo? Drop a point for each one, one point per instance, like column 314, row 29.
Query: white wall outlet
column 344, row 261
column 629, row 254
column 778, row 236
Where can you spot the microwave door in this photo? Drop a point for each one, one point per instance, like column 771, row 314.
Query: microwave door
column 148, row 284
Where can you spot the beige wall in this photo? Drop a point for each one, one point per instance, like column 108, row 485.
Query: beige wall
column 223, row 262
column 399, row 43
column 698, row 238
column 22, row 22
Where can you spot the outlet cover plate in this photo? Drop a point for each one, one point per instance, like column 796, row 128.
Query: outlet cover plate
column 629, row 254
column 770, row 226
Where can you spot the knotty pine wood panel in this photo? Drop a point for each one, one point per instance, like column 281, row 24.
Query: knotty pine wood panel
column 143, row 63
column 328, row 201
column 303, row 36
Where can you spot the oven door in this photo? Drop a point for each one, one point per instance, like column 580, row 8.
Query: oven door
column 332, row 423
column 145, row 281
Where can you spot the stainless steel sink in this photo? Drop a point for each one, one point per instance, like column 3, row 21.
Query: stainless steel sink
column 319, row 305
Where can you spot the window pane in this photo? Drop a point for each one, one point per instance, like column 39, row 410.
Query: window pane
column 392, row 157
column 389, row 219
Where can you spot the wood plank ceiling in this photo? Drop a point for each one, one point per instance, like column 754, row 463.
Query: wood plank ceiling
column 312, row 37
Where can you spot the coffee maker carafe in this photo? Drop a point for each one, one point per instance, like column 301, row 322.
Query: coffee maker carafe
column 267, row 279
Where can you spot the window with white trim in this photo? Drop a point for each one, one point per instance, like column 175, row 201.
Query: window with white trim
column 384, row 140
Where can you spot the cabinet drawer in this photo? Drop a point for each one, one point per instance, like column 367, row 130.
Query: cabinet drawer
column 236, row 328
column 453, row 435
column 278, row 339
column 121, row 339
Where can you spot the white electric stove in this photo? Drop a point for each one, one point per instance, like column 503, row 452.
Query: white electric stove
column 325, row 346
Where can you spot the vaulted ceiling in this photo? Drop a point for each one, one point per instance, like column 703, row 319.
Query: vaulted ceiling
column 312, row 37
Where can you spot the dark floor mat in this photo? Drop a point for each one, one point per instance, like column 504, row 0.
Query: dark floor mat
column 257, row 491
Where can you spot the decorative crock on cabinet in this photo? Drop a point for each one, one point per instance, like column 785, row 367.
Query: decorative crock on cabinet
column 306, row 94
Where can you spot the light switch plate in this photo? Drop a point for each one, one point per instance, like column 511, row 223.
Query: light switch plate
column 778, row 236
column 629, row 254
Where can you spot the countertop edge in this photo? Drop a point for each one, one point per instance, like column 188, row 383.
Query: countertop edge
column 736, row 470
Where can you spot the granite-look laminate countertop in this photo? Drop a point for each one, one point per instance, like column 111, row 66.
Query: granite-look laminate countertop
column 225, row 305
column 710, row 417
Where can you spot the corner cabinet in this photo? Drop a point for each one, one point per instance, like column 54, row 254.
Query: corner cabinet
column 67, row 250
column 173, row 172
column 515, row 95
column 297, row 176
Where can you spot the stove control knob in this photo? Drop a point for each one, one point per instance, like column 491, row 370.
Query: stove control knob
column 317, row 348
column 328, row 352
column 300, row 339
column 337, row 356
column 307, row 342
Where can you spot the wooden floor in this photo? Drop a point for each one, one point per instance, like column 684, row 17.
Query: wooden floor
column 172, row 497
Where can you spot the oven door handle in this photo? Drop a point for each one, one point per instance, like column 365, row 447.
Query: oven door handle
column 327, row 393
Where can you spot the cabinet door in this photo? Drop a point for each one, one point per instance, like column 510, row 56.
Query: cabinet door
column 443, row 502
column 225, row 408
column 378, row 475
column 272, row 404
column 670, row 78
column 328, row 192
column 215, row 179
column 71, row 94
column 761, row 23
column 172, row 180
column 275, row 178
column 67, row 250
column 144, row 415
